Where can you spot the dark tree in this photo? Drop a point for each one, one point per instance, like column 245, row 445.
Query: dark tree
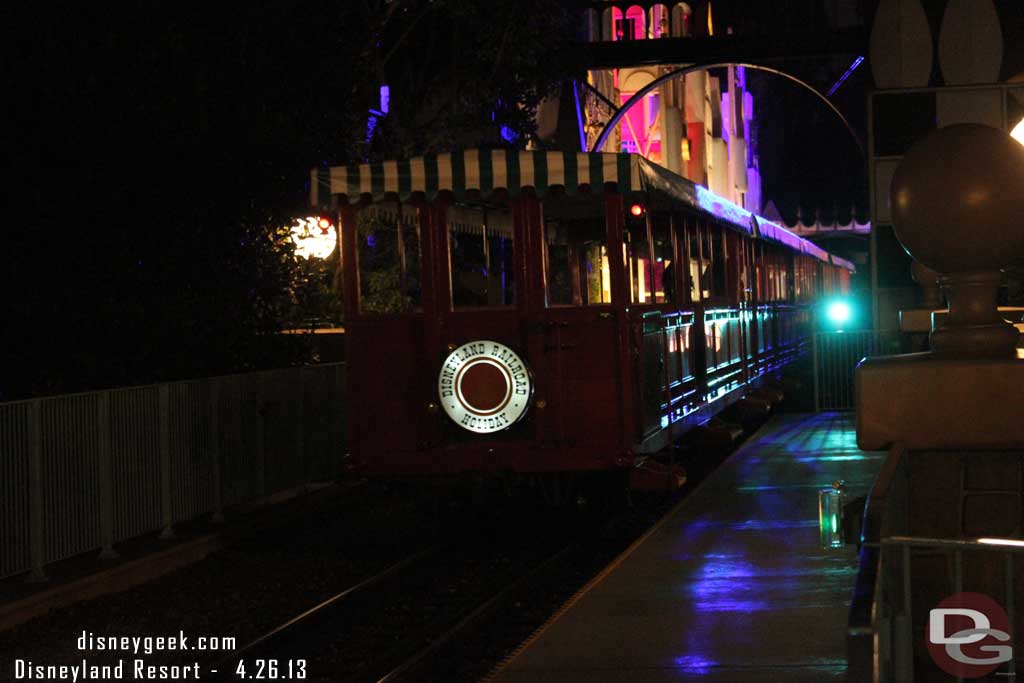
column 459, row 72
column 159, row 146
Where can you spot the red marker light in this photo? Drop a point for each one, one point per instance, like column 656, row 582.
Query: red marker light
column 636, row 210
column 324, row 223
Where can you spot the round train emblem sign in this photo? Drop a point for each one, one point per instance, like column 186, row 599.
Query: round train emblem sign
column 484, row 386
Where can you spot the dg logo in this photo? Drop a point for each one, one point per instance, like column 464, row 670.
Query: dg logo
column 968, row 635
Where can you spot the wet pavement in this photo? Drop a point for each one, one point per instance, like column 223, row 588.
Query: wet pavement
column 733, row 586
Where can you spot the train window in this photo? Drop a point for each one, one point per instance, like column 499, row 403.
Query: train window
column 746, row 283
column 481, row 257
column 577, row 253
column 389, row 258
column 775, row 276
column 693, row 236
column 638, row 260
column 578, row 273
column 664, row 258
column 706, row 285
column 718, row 263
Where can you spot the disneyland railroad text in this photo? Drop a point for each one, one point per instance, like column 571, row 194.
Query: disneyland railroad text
column 484, row 386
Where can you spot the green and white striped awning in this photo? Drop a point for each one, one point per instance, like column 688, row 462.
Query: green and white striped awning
column 487, row 171
column 477, row 170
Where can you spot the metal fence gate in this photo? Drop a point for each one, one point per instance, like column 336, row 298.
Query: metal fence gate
column 836, row 355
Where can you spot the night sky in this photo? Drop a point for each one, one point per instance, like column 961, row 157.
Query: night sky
column 150, row 147
column 808, row 157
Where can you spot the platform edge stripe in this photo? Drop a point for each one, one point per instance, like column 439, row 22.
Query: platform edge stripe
column 587, row 587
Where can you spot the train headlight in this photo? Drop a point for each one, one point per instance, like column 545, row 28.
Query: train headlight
column 839, row 312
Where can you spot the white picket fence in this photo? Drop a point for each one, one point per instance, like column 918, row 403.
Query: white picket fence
column 82, row 472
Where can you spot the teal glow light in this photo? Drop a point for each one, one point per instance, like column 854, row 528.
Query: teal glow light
column 839, row 312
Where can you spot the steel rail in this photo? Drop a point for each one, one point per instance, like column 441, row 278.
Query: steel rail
column 317, row 610
column 475, row 615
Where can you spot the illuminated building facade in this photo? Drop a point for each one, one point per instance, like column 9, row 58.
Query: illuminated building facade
column 700, row 125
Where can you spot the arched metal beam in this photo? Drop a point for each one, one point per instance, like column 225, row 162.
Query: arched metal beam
column 640, row 94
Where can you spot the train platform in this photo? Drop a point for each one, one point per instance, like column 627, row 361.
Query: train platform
column 732, row 585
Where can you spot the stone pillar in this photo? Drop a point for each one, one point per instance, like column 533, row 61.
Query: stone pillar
column 952, row 418
column 957, row 198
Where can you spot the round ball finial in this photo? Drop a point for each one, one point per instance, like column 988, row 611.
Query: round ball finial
column 958, row 199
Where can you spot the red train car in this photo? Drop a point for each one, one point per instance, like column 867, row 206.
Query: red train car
column 549, row 312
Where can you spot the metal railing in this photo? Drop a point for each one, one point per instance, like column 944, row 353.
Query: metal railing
column 836, row 355
column 81, row 472
column 902, row 576
column 899, row 630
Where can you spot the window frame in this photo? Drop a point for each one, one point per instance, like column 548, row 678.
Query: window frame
column 576, row 274
column 447, row 228
column 401, row 256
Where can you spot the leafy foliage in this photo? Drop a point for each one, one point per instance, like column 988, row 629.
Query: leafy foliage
column 383, row 287
column 460, row 71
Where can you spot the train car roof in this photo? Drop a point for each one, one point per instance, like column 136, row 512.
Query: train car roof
column 485, row 172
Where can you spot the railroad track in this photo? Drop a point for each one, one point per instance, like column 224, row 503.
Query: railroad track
column 281, row 639
column 452, row 611
column 390, row 624
column 411, row 663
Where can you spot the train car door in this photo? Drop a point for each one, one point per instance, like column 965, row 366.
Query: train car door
column 387, row 301
column 479, row 250
column 574, row 328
